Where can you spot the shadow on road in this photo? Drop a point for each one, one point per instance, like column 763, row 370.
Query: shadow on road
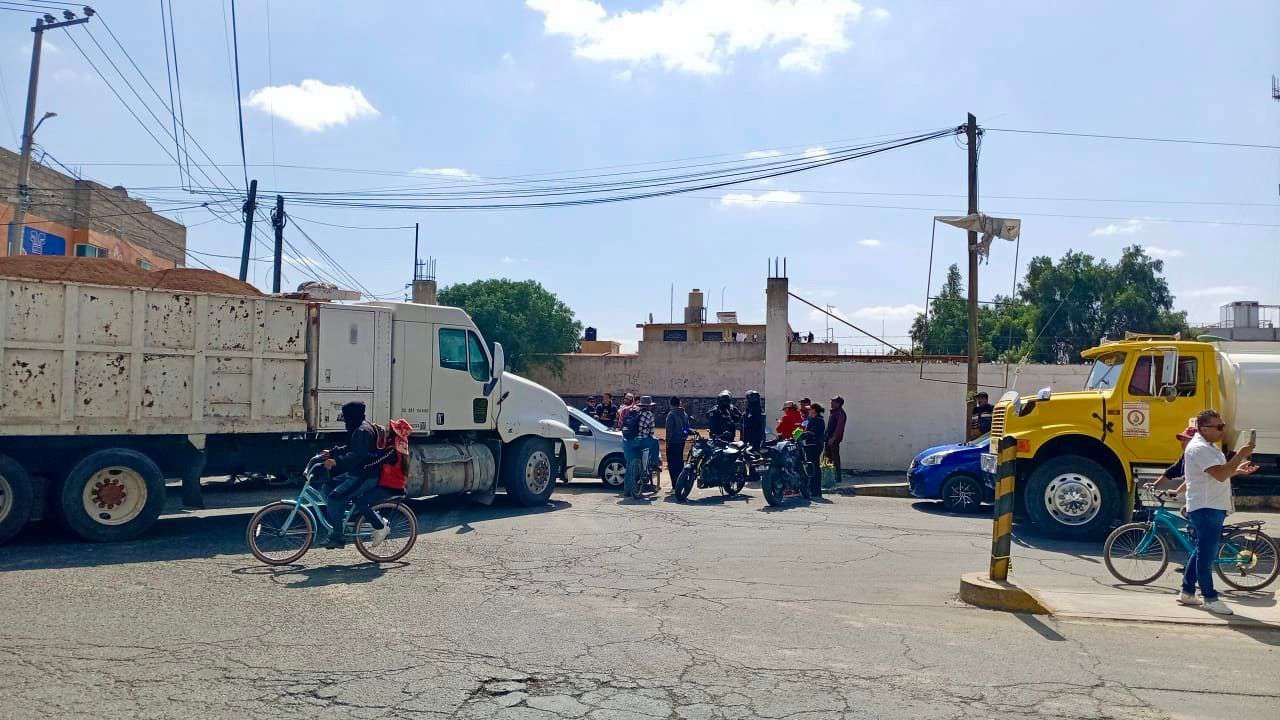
column 200, row 535
column 298, row 576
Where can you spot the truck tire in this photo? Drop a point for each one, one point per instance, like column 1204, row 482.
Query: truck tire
column 528, row 471
column 17, row 498
column 1071, row 496
column 112, row 495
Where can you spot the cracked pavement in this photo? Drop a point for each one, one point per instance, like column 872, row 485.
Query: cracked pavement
column 592, row 609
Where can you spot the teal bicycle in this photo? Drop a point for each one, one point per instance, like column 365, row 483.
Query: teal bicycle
column 1137, row 553
column 282, row 532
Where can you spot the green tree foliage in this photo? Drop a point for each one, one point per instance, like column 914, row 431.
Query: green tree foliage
column 1060, row 309
column 532, row 324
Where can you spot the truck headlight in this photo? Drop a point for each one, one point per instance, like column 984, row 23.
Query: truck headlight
column 933, row 459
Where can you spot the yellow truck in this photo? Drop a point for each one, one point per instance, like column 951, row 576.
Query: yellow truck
column 1081, row 454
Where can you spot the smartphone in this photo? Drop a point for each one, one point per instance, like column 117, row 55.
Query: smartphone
column 1250, row 438
column 1253, row 437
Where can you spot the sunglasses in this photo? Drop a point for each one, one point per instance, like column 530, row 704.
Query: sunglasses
column 1219, row 426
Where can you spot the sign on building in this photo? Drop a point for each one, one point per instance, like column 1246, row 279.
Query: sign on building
column 39, row 242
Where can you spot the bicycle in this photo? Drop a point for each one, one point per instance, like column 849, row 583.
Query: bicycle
column 647, row 477
column 1137, row 553
column 282, row 532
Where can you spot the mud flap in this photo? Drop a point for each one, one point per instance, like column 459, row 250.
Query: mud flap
column 484, row 497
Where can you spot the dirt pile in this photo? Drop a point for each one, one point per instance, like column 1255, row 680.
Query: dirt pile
column 104, row 271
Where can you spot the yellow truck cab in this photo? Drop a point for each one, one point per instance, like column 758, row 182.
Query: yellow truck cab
column 1081, row 454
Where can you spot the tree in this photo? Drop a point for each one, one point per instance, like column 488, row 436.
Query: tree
column 1059, row 310
column 532, row 324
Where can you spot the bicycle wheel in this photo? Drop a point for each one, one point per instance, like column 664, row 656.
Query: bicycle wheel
column 273, row 543
column 1247, row 560
column 1128, row 559
column 399, row 540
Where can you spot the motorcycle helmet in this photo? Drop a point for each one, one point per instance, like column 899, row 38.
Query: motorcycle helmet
column 724, row 399
column 753, row 400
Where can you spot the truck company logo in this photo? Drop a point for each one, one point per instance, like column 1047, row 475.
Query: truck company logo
column 1137, row 419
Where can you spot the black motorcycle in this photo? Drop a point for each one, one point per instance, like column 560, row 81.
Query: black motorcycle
column 784, row 477
column 713, row 463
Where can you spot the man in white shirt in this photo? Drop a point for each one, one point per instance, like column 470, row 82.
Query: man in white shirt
column 1208, row 482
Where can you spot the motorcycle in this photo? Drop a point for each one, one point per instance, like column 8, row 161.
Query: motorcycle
column 714, row 463
column 784, row 477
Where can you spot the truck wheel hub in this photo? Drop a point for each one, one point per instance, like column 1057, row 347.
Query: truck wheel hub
column 537, row 472
column 114, row 495
column 1073, row 499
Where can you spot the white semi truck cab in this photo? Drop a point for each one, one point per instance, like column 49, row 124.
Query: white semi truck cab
column 107, row 391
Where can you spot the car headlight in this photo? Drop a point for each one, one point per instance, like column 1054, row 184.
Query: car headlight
column 933, row 459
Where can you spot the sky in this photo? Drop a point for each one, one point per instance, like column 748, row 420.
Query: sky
column 414, row 94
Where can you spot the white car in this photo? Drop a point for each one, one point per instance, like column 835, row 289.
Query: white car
column 601, row 452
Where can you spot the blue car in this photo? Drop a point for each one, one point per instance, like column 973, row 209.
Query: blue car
column 952, row 474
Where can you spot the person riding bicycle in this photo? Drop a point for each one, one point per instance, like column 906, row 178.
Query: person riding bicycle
column 354, row 471
column 724, row 419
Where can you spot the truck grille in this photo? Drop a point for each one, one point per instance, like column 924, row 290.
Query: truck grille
column 997, row 422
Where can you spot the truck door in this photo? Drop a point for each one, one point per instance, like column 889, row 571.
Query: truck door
column 462, row 367
column 346, row 363
column 1148, row 422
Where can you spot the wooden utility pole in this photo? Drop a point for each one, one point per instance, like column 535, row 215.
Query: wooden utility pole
column 971, row 379
column 249, row 209
column 277, row 222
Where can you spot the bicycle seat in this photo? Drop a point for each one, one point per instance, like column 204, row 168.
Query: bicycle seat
column 1246, row 525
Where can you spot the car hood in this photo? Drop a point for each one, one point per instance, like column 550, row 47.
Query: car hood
column 949, row 449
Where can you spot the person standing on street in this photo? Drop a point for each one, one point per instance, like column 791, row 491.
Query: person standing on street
column 753, row 421
column 1208, row 478
column 592, row 408
column 637, row 435
column 791, row 420
column 607, row 413
column 724, row 419
column 677, row 425
column 980, row 422
column 835, row 432
column 812, row 440
column 628, row 404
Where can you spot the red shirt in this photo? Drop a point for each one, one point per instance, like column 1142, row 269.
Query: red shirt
column 791, row 419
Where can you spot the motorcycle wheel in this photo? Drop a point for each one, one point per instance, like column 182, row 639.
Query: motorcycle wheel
column 733, row 487
column 684, row 484
column 773, row 487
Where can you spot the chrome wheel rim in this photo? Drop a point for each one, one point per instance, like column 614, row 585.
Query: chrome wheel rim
column 537, row 472
column 963, row 495
column 114, row 495
column 615, row 473
column 1073, row 499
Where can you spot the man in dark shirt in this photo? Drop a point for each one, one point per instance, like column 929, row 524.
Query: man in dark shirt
column 835, row 432
column 608, row 412
column 724, row 419
column 982, row 409
column 593, row 407
column 753, row 421
column 354, row 469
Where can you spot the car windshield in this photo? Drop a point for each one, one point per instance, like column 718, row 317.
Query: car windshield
column 595, row 425
column 980, row 441
column 1105, row 372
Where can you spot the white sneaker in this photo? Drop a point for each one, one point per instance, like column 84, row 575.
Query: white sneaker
column 1217, row 607
column 380, row 535
column 1189, row 599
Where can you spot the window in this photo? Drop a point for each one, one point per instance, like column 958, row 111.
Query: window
column 87, row 250
column 675, row 335
column 1105, row 371
column 453, row 349
column 479, row 361
column 144, row 264
column 1148, row 370
column 713, row 336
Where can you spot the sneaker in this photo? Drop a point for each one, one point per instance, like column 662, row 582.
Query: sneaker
column 380, row 534
column 1189, row 599
column 1217, row 607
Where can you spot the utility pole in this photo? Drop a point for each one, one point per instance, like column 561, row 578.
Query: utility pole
column 29, row 125
column 415, row 251
column 249, row 209
column 277, row 222
column 971, row 380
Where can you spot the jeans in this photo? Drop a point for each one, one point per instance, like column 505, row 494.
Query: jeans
column 633, row 452
column 833, row 454
column 813, row 468
column 364, row 491
column 1208, row 526
column 675, row 459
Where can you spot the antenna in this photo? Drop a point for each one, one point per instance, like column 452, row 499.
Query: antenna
column 1275, row 88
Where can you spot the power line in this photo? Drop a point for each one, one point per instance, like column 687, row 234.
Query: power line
column 1185, row 141
column 351, row 227
column 235, row 42
column 168, row 76
column 177, row 79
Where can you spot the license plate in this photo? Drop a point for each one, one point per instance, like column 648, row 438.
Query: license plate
column 988, row 463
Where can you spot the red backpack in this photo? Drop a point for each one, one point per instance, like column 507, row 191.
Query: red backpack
column 393, row 440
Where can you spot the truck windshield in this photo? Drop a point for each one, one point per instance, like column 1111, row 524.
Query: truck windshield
column 1105, row 372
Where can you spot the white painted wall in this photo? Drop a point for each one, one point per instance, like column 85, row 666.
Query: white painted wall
column 893, row 414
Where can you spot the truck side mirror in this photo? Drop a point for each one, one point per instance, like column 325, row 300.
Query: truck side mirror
column 1169, row 392
column 499, row 361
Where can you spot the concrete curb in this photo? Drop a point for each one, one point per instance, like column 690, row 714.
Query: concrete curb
column 980, row 591
column 894, row 490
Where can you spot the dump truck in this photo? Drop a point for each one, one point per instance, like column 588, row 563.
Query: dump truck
column 108, row 391
column 1080, row 455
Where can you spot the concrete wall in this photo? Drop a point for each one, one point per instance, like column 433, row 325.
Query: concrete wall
column 662, row 369
column 894, row 414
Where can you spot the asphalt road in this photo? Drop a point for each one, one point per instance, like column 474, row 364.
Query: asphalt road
column 591, row 609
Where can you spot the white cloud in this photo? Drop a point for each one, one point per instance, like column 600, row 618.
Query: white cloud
column 1159, row 252
column 761, row 154
column 880, row 14
column 312, row 105
column 772, row 197
column 508, row 260
column 451, row 172
column 816, row 152
column 701, row 36
column 870, row 242
column 508, row 59
column 1219, row 291
column 1128, row 227
column 623, row 75
column 888, row 312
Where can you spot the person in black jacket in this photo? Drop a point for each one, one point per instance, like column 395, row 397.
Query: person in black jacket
column 753, row 421
column 354, row 469
column 724, row 419
column 815, row 436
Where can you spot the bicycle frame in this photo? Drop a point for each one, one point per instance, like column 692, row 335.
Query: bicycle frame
column 313, row 502
column 1177, row 527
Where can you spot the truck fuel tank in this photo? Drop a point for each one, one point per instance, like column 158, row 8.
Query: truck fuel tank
column 444, row 468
